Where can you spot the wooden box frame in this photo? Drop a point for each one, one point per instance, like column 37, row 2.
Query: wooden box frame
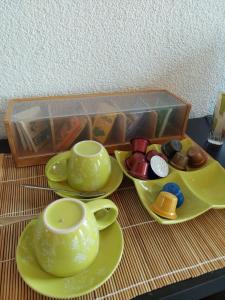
column 28, row 160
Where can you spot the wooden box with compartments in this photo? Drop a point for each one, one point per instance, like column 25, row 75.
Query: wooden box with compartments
column 38, row 128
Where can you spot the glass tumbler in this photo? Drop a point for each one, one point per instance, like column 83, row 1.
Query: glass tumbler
column 217, row 130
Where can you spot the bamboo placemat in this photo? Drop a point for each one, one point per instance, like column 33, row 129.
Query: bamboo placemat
column 154, row 255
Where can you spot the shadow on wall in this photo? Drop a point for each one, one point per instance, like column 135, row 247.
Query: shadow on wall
column 3, row 105
column 194, row 77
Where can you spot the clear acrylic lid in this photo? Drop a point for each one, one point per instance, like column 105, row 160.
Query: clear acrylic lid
column 58, row 107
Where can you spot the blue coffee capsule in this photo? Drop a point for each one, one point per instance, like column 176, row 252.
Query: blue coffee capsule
column 170, row 148
column 174, row 189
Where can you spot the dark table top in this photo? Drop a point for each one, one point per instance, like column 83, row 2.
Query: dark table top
column 208, row 286
column 198, row 130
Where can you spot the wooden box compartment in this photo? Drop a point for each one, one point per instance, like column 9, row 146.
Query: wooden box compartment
column 40, row 127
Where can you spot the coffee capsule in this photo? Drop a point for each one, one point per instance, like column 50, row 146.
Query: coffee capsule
column 139, row 145
column 158, row 167
column 135, row 157
column 150, row 154
column 174, row 189
column 196, row 157
column 179, row 161
column 140, row 170
column 165, row 205
column 170, row 148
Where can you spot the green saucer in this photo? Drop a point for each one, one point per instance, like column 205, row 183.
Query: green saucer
column 113, row 183
column 111, row 242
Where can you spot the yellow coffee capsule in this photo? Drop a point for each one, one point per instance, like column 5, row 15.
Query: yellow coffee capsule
column 165, row 205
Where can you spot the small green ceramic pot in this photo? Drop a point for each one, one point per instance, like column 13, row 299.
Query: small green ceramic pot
column 66, row 236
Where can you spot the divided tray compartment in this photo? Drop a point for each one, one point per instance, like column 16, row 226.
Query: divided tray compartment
column 67, row 127
column 32, row 130
column 108, row 125
column 203, row 188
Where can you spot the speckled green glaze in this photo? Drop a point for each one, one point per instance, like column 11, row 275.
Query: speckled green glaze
column 84, row 169
column 111, row 241
column 112, row 184
column 64, row 252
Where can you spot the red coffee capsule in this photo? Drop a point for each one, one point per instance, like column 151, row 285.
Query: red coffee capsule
column 131, row 160
column 150, row 154
column 140, row 170
column 139, row 144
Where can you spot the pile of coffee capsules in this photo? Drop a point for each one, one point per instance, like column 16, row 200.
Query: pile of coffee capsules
column 142, row 165
column 194, row 158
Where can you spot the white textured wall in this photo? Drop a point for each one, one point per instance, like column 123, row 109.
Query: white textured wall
column 67, row 46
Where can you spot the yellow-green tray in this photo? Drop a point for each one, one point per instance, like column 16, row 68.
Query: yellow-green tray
column 203, row 188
